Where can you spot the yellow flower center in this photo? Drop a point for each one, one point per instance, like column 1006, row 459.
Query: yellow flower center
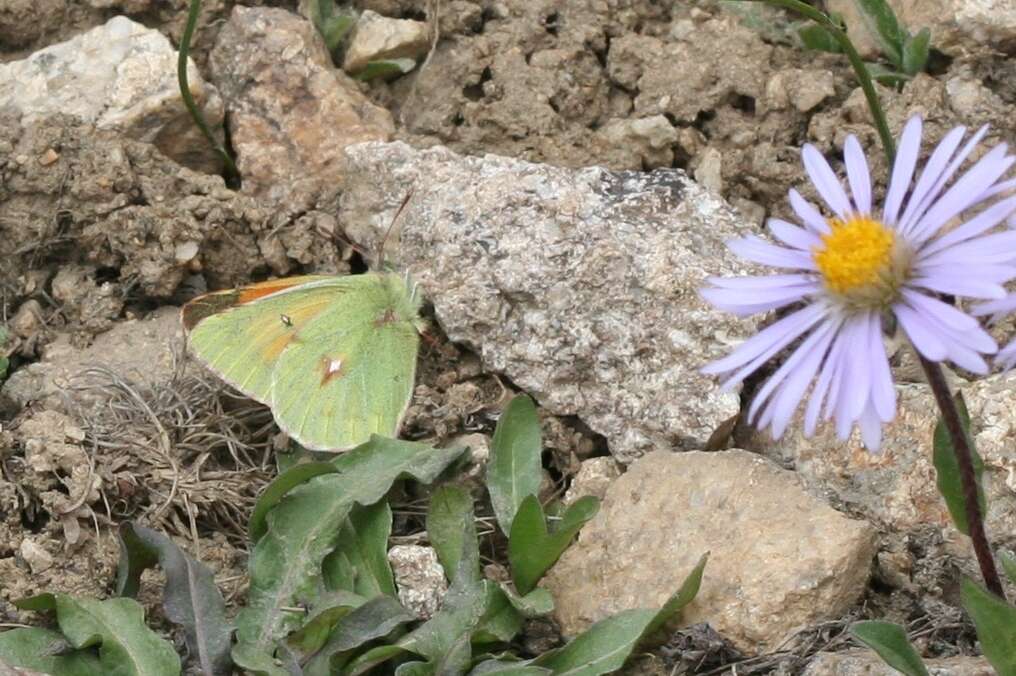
column 862, row 262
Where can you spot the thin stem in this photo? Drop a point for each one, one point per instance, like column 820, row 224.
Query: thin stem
column 185, row 92
column 933, row 371
column 856, row 62
column 964, row 458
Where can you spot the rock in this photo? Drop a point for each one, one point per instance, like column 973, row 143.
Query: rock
column 654, row 136
column 27, row 321
column 475, row 470
column 720, row 60
column 581, row 286
column 64, row 478
column 896, row 488
column 90, row 306
column 128, row 209
column 802, row 89
column 291, row 111
column 709, row 172
column 378, row 38
column 419, row 578
column 139, row 350
column 35, row 555
column 867, row 663
column 958, row 27
column 120, row 77
column 779, row 559
column 593, row 478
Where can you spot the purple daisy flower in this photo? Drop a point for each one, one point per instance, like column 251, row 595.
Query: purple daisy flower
column 854, row 270
column 1006, row 357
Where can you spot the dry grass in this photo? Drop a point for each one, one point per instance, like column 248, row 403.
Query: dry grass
column 188, row 456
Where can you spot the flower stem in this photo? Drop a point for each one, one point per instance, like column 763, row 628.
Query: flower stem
column 964, row 459
column 185, row 92
column 856, row 62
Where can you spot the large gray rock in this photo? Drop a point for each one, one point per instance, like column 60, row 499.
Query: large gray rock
column 867, row 663
column 291, row 111
column 896, row 488
column 581, row 286
column 120, row 76
column 779, row 559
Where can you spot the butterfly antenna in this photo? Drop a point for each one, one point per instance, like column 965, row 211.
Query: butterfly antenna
column 391, row 226
column 411, row 285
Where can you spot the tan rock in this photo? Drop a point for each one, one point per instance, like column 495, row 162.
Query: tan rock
column 28, row 319
column 120, row 76
column 802, row 89
column 378, row 38
column 653, row 136
column 593, row 478
column 867, row 663
column 291, row 111
column 779, row 559
column 35, row 555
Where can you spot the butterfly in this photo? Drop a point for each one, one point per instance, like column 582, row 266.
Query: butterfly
column 334, row 357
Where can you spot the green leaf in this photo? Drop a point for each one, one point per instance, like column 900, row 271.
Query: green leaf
column 416, row 668
column 514, row 470
column 1008, row 565
column 386, row 69
column 606, row 645
column 819, row 38
column 948, row 470
column 915, row 52
column 359, row 563
column 443, row 635
column 881, row 22
column 995, row 621
column 890, row 642
column 256, row 661
column 303, row 528
column 500, row 621
column 450, row 527
column 886, row 76
column 532, row 550
column 602, row 648
column 4, row 362
column 536, row 603
column 687, row 592
column 372, row 658
column 309, row 638
column 46, row 651
column 508, row 668
column 375, row 619
column 116, row 626
column 190, row 600
column 278, row 488
column 335, row 28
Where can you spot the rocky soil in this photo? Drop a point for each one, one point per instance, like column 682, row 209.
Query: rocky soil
column 573, row 170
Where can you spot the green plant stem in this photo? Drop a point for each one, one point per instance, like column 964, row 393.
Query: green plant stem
column 185, row 92
column 964, row 458
column 933, row 371
column 856, row 62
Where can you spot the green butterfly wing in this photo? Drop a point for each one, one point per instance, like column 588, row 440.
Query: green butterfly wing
column 334, row 357
column 352, row 372
column 240, row 334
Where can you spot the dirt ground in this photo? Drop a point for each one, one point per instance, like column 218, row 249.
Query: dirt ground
column 537, row 79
